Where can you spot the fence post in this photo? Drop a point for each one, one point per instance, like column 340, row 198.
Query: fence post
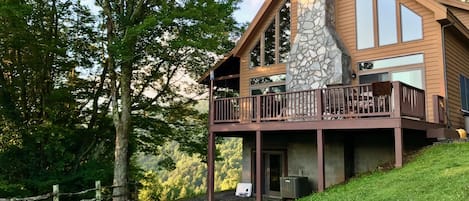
column 55, row 192
column 98, row 190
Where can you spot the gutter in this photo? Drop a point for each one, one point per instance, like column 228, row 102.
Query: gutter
column 443, row 46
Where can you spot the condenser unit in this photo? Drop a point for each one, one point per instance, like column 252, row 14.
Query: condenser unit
column 294, row 187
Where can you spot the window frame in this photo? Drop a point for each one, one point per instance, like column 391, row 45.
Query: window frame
column 395, row 69
column 267, row 84
column 275, row 20
column 397, row 25
column 376, row 26
column 402, row 27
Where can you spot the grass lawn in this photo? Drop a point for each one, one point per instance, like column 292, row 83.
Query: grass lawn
column 439, row 173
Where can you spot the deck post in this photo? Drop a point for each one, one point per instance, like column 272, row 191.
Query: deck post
column 398, row 147
column 318, row 95
column 211, row 145
column 211, row 167
column 320, row 152
column 397, row 98
column 55, row 193
column 259, row 165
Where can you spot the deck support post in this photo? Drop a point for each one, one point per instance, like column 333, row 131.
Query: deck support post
column 398, row 147
column 320, row 151
column 211, row 144
column 211, row 167
column 259, row 165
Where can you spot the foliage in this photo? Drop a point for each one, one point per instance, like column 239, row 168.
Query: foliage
column 46, row 136
column 438, row 173
column 73, row 83
column 150, row 46
column 188, row 178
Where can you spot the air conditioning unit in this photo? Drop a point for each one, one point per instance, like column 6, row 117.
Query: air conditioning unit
column 294, row 187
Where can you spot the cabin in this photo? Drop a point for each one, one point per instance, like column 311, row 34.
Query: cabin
column 323, row 90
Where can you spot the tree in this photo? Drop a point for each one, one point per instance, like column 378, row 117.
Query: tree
column 151, row 45
column 44, row 110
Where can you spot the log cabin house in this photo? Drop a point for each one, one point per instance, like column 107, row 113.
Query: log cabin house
column 327, row 89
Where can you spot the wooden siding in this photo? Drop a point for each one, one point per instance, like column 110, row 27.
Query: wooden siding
column 457, row 61
column 430, row 45
column 246, row 73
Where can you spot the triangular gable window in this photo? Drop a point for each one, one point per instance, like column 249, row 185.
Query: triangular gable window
column 274, row 45
column 411, row 25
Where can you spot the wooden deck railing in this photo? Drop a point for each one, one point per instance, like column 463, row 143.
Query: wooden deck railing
column 370, row 100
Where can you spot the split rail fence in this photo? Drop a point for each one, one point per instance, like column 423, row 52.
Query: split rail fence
column 55, row 195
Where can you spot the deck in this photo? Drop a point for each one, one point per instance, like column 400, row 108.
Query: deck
column 387, row 105
column 377, row 105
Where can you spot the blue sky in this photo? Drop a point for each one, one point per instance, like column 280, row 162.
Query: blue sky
column 246, row 12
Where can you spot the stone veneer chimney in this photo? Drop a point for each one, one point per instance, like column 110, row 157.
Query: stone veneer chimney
column 317, row 58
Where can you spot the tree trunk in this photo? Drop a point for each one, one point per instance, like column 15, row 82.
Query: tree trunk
column 120, row 192
column 121, row 164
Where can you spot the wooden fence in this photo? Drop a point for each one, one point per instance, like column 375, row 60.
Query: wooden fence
column 56, row 194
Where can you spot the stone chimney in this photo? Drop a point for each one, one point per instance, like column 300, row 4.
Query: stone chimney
column 318, row 57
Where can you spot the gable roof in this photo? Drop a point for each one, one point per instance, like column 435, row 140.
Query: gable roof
column 455, row 3
column 439, row 10
column 458, row 15
column 254, row 25
column 263, row 11
column 442, row 10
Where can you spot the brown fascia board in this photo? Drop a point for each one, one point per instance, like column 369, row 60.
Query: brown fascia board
column 254, row 24
column 439, row 11
column 242, row 41
column 455, row 3
column 458, row 24
column 454, row 19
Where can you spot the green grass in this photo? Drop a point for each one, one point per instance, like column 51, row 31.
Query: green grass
column 439, row 173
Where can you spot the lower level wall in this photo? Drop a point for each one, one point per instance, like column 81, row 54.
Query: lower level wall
column 346, row 153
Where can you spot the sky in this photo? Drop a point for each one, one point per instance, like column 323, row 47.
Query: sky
column 246, row 12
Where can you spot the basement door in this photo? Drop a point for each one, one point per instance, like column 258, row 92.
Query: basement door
column 274, row 168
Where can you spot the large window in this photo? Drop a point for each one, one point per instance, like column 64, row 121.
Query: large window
column 284, row 32
column 268, row 84
column 411, row 25
column 406, row 69
column 378, row 22
column 464, row 85
column 365, row 25
column 387, row 23
column 274, row 45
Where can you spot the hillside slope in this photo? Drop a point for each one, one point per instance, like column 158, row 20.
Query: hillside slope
column 439, row 172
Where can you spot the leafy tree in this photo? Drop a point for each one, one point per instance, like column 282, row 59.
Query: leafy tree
column 63, row 69
column 150, row 45
column 187, row 178
column 44, row 110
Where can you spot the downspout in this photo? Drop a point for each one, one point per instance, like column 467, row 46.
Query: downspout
column 445, row 67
